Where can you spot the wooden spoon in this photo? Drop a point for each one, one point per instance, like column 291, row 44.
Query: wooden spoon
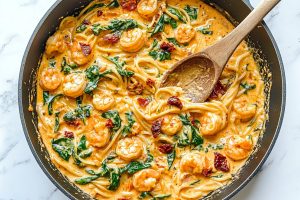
column 198, row 73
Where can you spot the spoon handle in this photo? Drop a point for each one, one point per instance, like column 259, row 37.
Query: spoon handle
column 221, row 51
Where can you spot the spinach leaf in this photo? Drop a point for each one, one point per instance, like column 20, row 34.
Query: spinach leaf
column 177, row 13
column 161, row 196
column 119, row 66
column 195, row 138
column 66, row 68
column 191, row 11
column 52, row 63
column 144, row 195
column 114, row 179
column 171, row 157
column 97, row 29
column 96, row 5
column 160, row 55
column 247, row 87
column 174, row 41
column 81, row 28
column 171, row 21
column 113, row 4
column 93, row 75
column 115, row 117
column 135, row 166
column 195, row 182
column 127, row 128
column 48, row 99
column 82, row 144
column 160, row 25
column 81, row 112
column 56, row 124
column 205, row 30
column 86, row 180
column 64, row 147
column 121, row 25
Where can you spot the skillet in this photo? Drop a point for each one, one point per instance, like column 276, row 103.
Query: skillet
column 260, row 38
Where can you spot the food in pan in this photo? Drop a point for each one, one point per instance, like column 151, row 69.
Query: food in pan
column 113, row 132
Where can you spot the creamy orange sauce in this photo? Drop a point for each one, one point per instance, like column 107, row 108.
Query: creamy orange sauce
column 109, row 128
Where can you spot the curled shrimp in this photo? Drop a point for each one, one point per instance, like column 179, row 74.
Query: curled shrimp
column 55, row 44
column 145, row 180
column 133, row 40
column 237, row 147
column 77, row 52
column 171, row 124
column 50, row 79
column 147, row 8
column 99, row 136
column 195, row 163
column 74, row 84
column 129, row 149
column 184, row 33
column 211, row 123
column 103, row 101
column 244, row 109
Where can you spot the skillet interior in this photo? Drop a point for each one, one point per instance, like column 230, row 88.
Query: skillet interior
column 238, row 10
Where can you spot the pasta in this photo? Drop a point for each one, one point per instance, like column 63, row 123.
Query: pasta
column 111, row 130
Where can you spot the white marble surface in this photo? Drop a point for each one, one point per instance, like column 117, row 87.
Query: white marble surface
column 22, row 178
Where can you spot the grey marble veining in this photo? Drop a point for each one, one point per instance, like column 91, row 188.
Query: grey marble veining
column 20, row 176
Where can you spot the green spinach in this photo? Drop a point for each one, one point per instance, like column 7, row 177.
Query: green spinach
column 205, row 30
column 64, row 147
column 66, row 68
column 247, row 87
column 120, row 66
column 56, row 124
column 127, row 128
column 113, row 4
column 177, row 13
column 81, row 112
column 93, row 75
column 97, row 29
column 81, row 28
column 171, row 157
column 48, row 99
column 190, row 134
column 191, row 11
column 115, row 117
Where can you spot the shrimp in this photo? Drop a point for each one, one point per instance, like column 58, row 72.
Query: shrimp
column 133, row 40
column 147, row 8
column 195, row 163
column 103, row 101
column 50, row 79
column 100, row 136
column 237, row 147
column 74, row 84
column 171, row 124
column 136, row 129
column 244, row 109
column 81, row 53
column 211, row 123
column 145, row 180
column 184, row 33
column 55, row 45
column 129, row 149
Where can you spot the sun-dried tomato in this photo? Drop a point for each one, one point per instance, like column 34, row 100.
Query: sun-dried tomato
column 134, row 87
column 165, row 148
column 109, row 123
column 99, row 13
column 74, row 123
column 167, row 47
column 175, row 101
column 86, row 49
column 143, row 101
column 69, row 134
column 86, row 22
column 128, row 4
column 221, row 162
column 206, row 172
column 150, row 82
column 112, row 38
column 123, row 199
column 218, row 91
column 156, row 128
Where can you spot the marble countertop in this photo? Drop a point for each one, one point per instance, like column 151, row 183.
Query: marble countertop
column 22, row 178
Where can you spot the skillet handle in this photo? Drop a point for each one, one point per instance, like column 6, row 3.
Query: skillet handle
column 248, row 3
